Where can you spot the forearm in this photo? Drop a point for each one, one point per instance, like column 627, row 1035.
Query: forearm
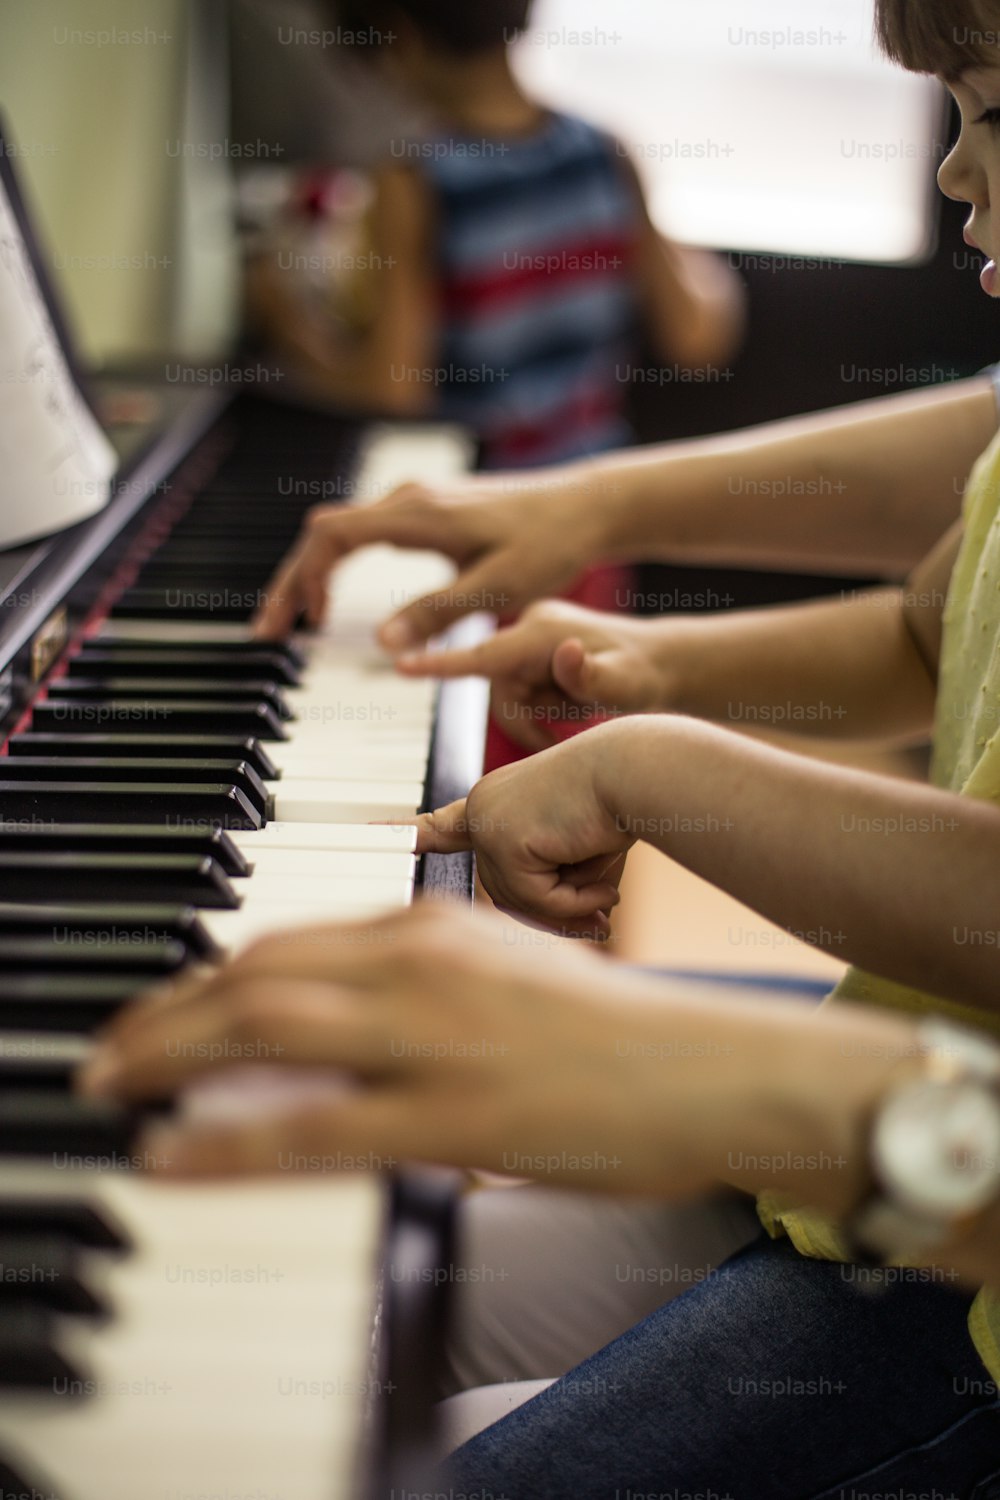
column 898, row 877
column 846, row 668
column 866, row 488
column 698, row 310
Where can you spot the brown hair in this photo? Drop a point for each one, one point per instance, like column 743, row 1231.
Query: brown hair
column 939, row 36
column 462, row 27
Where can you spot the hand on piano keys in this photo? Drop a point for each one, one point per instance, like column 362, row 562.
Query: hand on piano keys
column 512, row 538
column 550, row 845
column 461, row 1048
column 562, row 667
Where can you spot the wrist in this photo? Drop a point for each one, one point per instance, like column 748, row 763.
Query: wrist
column 606, row 750
column 613, row 488
column 811, row 1090
column 678, row 664
column 626, row 760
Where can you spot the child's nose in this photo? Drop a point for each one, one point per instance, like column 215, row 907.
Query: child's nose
column 958, row 176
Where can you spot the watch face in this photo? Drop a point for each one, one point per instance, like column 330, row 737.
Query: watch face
column 936, row 1147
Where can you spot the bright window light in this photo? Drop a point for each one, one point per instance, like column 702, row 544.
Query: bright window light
column 769, row 127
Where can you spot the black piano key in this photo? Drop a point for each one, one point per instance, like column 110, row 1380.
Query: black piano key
column 45, row 999
column 93, row 924
column 14, row 1484
column 291, row 654
column 241, row 579
column 55, row 1125
column 165, row 689
column 228, row 605
column 138, row 769
column 214, row 528
column 31, row 1359
column 42, row 1060
column 139, row 716
column 200, row 747
column 45, row 1271
column 47, row 1062
column 188, row 568
column 19, row 955
column 110, row 660
column 179, row 804
column 171, row 878
column 139, row 838
column 72, row 1219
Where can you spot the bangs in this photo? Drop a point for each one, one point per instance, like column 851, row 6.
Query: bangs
column 947, row 37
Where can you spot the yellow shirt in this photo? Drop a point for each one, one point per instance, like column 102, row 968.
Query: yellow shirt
column 966, row 760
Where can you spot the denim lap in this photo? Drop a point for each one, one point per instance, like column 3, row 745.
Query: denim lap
column 776, row 1378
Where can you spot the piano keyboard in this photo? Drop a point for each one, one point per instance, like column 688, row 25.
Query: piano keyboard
column 176, row 793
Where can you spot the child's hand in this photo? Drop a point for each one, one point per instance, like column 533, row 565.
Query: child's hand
column 560, row 664
column 549, row 845
column 513, row 538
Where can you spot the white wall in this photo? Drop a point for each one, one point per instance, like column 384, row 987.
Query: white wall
column 97, row 95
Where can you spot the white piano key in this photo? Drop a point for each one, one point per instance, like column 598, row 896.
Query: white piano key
column 314, row 736
column 359, row 705
column 337, row 836
column 238, row 1361
column 330, row 864
column 405, row 763
column 290, row 889
column 346, row 801
column 379, row 758
column 236, row 930
column 393, row 454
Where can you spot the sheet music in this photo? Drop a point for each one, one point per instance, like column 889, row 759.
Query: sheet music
column 55, row 462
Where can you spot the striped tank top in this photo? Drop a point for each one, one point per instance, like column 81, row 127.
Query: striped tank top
column 536, row 251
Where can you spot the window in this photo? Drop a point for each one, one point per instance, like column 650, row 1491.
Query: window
column 772, row 127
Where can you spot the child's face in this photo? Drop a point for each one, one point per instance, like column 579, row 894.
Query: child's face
column 971, row 170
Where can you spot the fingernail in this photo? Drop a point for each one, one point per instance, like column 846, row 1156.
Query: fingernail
column 397, row 634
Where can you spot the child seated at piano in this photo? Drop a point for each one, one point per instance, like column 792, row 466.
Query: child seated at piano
column 901, row 879
column 513, row 259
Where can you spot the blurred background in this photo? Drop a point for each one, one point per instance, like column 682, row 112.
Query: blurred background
column 149, row 132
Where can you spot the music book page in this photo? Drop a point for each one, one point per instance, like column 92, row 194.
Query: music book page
column 55, row 462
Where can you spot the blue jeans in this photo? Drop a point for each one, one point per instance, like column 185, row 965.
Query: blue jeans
column 776, row 1378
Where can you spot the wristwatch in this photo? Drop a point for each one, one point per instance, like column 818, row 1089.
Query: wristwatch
column 934, row 1150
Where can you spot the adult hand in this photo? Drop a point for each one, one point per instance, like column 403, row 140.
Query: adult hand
column 462, row 1049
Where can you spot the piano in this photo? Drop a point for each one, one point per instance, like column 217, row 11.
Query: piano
column 168, row 792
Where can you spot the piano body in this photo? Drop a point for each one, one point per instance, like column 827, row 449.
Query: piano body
column 168, row 792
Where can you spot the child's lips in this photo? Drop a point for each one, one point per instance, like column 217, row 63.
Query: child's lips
column 988, row 278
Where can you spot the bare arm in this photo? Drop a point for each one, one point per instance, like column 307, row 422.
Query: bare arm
column 452, row 1035
column 375, row 368
column 869, row 488
column 898, row 877
column 860, row 667
column 693, row 304
column 854, row 668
